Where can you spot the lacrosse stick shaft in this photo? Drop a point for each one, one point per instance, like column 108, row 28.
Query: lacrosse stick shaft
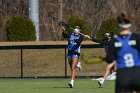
column 63, row 28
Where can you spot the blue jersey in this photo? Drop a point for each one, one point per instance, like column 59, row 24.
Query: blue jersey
column 127, row 56
column 73, row 46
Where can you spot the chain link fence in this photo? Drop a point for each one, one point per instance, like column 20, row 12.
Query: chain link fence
column 46, row 61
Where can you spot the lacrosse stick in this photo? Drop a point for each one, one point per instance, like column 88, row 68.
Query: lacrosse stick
column 53, row 16
column 63, row 25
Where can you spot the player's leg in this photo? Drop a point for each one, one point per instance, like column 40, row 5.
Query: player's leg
column 70, row 61
column 70, row 64
column 136, row 79
column 110, row 67
column 123, row 81
column 74, row 65
column 107, row 72
column 75, row 59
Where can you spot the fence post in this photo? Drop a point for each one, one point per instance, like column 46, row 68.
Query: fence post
column 65, row 62
column 21, row 63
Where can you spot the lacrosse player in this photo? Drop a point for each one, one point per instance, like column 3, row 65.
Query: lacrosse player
column 109, row 59
column 126, row 48
column 74, row 44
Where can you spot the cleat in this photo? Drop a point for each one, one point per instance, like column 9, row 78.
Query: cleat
column 70, row 85
column 101, row 82
column 79, row 66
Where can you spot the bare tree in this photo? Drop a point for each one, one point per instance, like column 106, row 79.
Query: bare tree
column 8, row 9
column 92, row 11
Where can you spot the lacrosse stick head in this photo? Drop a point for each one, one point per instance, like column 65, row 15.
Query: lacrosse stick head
column 64, row 24
column 53, row 16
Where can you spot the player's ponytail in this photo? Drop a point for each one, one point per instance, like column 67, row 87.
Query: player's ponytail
column 123, row 21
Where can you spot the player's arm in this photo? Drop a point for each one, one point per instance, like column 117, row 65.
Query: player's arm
column 65, row 34
column 97, row 40
column 101, row 41
column 138, row 41
column 112, row 49
column 137, row 38
column 79, row 41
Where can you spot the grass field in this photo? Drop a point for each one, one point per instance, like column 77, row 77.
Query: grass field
column 53, row 86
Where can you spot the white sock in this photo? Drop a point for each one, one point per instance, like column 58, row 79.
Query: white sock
column 72, row 81
column 79, row 63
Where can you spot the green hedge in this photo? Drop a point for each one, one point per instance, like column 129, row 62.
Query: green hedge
column 20, row 28
column 73, row 21
column 109, row 25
